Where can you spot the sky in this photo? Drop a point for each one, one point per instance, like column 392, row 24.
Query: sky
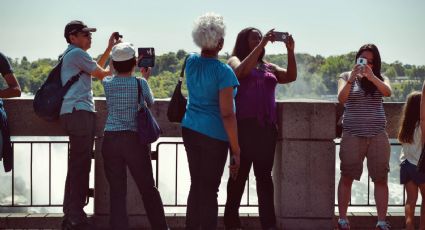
column 328, row 27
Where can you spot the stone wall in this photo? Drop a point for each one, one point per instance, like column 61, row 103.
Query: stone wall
column 304, row 170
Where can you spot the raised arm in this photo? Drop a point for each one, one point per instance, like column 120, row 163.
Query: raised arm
column 383, row 86
column 290, row 74
column 243, row 67
column 100, row 72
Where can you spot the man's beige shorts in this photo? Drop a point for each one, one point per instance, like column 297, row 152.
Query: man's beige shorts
column 354, row 150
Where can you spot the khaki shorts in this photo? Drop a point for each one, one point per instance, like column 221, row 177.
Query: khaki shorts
column 354, row 150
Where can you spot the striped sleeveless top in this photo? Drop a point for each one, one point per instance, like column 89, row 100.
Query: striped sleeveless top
column 364, row 115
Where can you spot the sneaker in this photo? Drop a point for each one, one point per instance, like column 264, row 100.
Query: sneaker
column 385, row 226
column 343, row 224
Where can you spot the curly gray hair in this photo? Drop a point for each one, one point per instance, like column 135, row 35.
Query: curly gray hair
column 208, row 29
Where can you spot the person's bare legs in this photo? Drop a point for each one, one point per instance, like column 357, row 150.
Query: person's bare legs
column 422, row 218
column 381, row 199
column 344, row 195
column 409, row 208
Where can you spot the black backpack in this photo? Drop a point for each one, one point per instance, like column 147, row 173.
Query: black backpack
column 48, row 99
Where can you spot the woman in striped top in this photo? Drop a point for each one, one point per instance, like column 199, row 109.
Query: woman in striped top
column 362, row 91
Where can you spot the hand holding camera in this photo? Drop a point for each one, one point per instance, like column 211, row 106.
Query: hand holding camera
column 286, row 38
column 146, row 72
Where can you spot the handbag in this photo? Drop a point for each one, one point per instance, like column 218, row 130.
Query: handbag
column 147, row 127
column 421, row 163
column 177, row 106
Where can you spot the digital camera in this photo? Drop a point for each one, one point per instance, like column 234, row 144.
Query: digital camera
column 148, row 59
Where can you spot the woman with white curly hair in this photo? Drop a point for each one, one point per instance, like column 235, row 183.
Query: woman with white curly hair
column 209, row 124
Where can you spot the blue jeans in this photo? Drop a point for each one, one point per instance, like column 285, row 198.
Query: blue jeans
column 206, row 157
column 121, row 149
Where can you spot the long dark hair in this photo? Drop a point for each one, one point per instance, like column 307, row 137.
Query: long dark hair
column 366, row 85
column 410, row 117
column 242, row 49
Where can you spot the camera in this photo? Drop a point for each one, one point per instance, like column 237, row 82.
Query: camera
column 281, row 36
column 148, row 57
column 117, row 36
column 361, row 61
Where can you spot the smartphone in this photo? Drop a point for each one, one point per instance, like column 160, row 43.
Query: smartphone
column 281, row 36
column 362, row 61
column 148, row 59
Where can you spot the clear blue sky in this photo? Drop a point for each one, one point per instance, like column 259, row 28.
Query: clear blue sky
column 327, row 27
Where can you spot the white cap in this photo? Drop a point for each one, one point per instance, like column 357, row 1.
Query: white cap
column 123, row 51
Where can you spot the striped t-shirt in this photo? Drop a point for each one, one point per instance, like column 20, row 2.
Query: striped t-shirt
column 364, row 115
column 122, row 101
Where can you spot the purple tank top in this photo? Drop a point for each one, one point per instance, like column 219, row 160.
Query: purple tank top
column 256, row 96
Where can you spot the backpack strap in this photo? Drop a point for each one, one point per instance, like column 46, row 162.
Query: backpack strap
column 74, row 78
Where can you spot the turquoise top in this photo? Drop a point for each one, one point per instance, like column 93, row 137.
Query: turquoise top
column 205, row 77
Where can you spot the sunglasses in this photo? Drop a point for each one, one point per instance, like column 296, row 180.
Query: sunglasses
column 84, row 34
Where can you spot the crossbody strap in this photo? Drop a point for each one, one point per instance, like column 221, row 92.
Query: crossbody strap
column 140, row 101
column 183, row 67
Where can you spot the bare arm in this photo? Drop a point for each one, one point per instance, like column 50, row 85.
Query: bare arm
column 383, row 86
column 100, row 72
column 290, row 74
column 13, row 89
column 344, row 85
column 230, row 125
column 243, row 67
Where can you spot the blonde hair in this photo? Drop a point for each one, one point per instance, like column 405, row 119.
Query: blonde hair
column 208, row 29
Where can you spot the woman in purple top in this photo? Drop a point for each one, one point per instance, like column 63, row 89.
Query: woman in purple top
column 256, row 116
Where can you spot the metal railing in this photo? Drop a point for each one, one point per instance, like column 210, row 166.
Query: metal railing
column 155, row 156
column 368, row 202
column 31, row 198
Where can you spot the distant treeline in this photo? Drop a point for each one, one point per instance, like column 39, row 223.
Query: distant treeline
column 317, row 75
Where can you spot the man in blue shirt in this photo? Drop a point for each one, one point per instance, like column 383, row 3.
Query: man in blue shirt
column 77, row 117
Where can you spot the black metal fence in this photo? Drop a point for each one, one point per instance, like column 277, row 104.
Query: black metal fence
column 157, row 154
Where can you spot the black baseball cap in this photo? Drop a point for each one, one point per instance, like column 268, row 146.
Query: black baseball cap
column 75, row 27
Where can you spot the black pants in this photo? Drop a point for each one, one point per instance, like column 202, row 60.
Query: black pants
column 257, row 143
column 121, row 150
column 206, row 157
column 80, row 126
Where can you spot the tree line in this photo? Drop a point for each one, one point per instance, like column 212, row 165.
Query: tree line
column 317, row 75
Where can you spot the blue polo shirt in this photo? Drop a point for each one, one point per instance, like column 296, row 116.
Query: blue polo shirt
column 205, row 77
column 80, row 95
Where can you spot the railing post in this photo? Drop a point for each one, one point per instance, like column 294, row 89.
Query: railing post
column 304, row 169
